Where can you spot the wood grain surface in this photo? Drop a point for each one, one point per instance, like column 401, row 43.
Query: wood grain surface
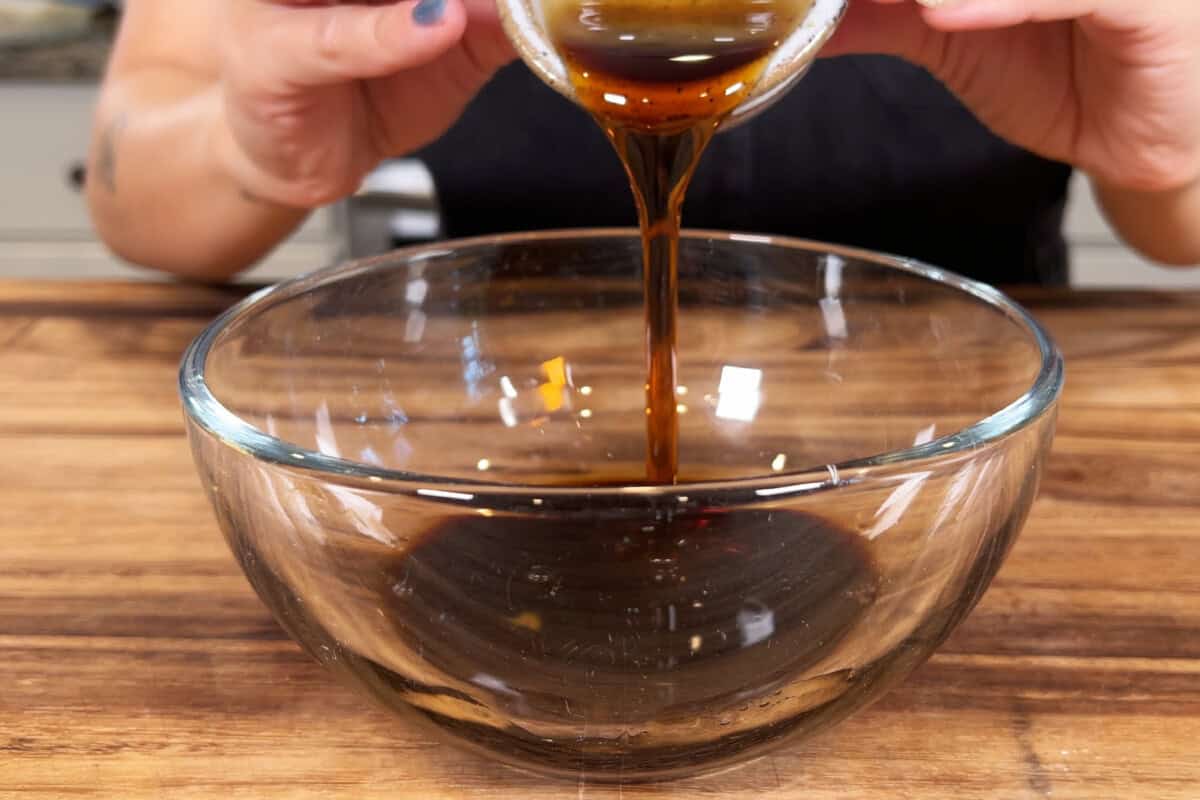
column 137, row 663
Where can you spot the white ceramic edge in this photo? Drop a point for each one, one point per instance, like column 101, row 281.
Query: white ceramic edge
column 526, row 31
column 803, row 45
column 792, row 59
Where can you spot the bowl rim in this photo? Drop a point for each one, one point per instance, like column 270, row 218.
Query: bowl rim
column 202, row 407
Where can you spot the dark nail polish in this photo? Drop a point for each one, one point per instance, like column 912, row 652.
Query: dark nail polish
column 429, row 12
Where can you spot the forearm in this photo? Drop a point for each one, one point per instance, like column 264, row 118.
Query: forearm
column 159, row 191
column 1163, row 226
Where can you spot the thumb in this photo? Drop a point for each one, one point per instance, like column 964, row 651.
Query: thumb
column 309, row 44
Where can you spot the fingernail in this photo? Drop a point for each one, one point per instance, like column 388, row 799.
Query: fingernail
column 429, row 12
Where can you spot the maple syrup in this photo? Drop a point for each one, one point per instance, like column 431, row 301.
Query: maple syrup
column 660, row 77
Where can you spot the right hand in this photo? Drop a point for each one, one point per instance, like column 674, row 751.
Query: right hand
column 317, row 93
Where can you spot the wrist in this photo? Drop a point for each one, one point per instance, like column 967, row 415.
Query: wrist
column 1162, row 223
column 1168, row 199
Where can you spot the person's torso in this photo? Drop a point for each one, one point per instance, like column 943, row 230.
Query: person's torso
column 866, row 151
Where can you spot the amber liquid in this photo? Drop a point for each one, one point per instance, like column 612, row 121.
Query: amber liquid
column 660, row 77
column 596, row 645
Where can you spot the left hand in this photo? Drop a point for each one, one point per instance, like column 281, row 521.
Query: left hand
column 1109, row 86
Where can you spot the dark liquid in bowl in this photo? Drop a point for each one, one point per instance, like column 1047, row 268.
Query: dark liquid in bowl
column 585, row 642
column 668, row 643
column 660, row 77
column 671, row 616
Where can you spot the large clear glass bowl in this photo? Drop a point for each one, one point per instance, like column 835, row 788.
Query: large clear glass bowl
column 429, row 466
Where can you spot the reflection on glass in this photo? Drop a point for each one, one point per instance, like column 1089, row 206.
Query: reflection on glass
column 756, row 623
column 892, row 510
column 738, row 393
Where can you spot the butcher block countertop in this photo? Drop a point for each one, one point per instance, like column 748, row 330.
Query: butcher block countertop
column 137, row 663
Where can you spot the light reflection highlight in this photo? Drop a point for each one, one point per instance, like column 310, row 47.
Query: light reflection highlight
column 834, row 317
column 414, row 327
column 444, row 495
column 893, row 509
column 925, row 435
column 739, row 397
column 795, row 488
column 553, row 391
column 508, row 413
column 832, row 312
column 416, row 291
column 756, row 623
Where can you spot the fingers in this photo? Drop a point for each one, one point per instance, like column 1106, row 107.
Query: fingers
column 915, row 29
column 919, row 30
column 317, row 43
column 483, row 12
column 983, row 14
column 887, row 27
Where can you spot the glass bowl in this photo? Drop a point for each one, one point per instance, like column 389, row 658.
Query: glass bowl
column 429, row 466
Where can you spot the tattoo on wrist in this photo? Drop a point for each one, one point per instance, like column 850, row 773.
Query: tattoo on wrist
column 106, row 157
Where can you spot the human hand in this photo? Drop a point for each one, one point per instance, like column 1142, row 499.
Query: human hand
column 317, row 93
column 1110, row 86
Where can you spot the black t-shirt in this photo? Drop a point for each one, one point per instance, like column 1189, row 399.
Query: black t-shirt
column 865, row 151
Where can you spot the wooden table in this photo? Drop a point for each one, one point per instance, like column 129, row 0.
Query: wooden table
column 137, row 663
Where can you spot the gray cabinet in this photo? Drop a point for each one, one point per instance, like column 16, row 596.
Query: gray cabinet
column 44, row 225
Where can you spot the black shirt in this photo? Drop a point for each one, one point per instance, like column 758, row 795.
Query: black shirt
column 866, row 151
